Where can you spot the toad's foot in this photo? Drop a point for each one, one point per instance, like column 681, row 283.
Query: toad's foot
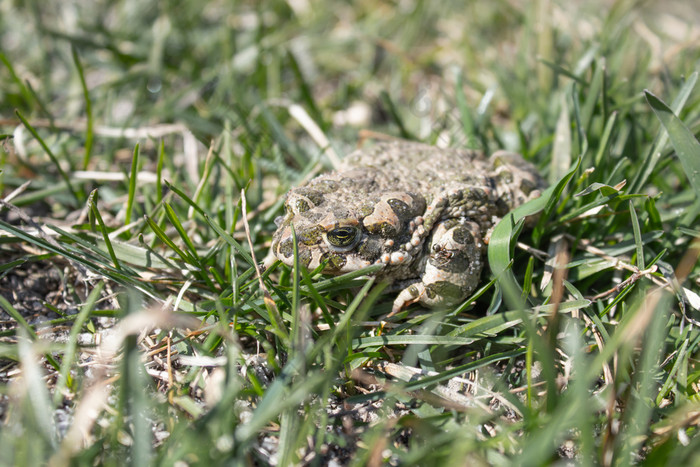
column 451, row 270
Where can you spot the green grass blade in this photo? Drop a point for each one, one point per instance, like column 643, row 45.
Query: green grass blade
column 679, row 365
column 168, row 242
column 159, row 172
column 317, row 298
column 580, row 129
column 26, row 95
column 37, row 395
column 89, row 132
column 133, row 175
column 638, row 412
column 468, row 126
column 231, row 241
column 305, row 89
column 41, row 105
column 652, row 159
column 637, row 237
column 64, row 378
column 77, row 195
column 488, row 325
column 40, row 195
column 461, row 369
column 388, row 104
column 592, row 95
column 407, row 339
column 682, row 139
column 98, row 268
column 186, row 198
column 172, row 217
column 500, row 251
column 562, row 71
column 561, row 149
column 295, row 325
column 17, row 316
column 92, row 205
column 605, row 140
column 141, row 256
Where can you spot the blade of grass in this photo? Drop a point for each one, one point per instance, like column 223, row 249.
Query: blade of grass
column 461, row 369
column 388, row 104
column 172, row 217
column 552, row 199
column 230, row 240
column 605, row 141
column 159, row 172
column 17, row 316
column 142, row 256
column 37, row 394
column 22, row 88
column 679, row 364
column 294, row 326
column 317, row 298
column 96, row 254
column 638, row 412
column 574, row 411
column 592, row 94
column 281, row 394
column 79, row 196
column 637, row 237
column 7, row 267
column 281, row 330
column 92, row 205
column 329, row 284
column 186, row 198
column 289, row 426
column 500, row 251
column 203, row 183
column 168, row 242
column 682, row 139
column 306, row 93
column 407, row 339
column 64, row 379
column 105, row 270
column 133, row 175
column 40, row 195
column 652, row 159
column 276, row 131
column 41, row 105
column 88, row 110
column 466, row 118
column 562, row 71
column 134, row 381
column 229, row 181
column 580, row 130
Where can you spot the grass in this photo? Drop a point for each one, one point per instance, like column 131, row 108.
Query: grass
column 146, row 151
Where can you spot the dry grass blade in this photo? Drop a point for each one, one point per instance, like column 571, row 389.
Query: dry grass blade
column 267, row 298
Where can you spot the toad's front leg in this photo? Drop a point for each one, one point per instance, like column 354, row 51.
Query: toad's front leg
column 451, row 270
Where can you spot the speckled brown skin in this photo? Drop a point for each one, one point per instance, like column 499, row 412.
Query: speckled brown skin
column 420, row 211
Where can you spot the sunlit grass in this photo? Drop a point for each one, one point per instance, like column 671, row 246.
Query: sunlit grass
column 140, row 127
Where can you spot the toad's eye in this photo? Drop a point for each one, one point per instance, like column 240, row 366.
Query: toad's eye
column 343, row 238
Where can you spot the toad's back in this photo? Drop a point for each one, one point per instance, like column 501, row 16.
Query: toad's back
column 420, row 211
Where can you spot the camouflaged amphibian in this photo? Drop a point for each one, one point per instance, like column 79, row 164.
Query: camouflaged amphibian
column 421, row 211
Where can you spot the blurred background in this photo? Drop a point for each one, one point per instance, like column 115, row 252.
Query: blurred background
column 351, row 66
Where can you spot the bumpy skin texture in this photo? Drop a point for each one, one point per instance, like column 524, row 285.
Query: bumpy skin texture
column 422, row 212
